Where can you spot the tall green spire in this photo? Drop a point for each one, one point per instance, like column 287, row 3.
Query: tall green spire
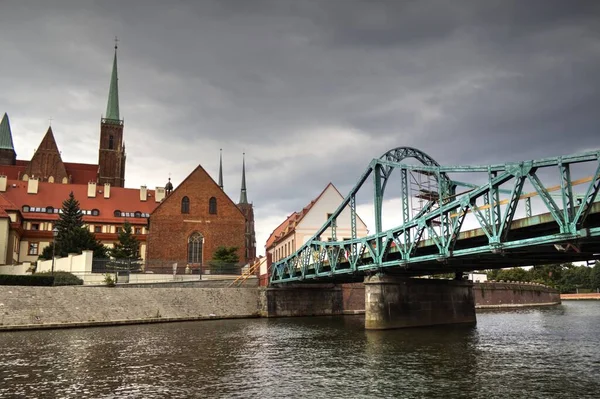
column 112, row 108
column 243, row 195
column 6, row 141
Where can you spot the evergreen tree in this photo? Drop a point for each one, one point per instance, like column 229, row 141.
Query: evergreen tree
column 224, row 260
column 73, row 236
column 128, row 246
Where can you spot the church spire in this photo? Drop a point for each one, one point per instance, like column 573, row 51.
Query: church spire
column 243, row 195
column 112, row 108
column 6, row 140
column 221, row 168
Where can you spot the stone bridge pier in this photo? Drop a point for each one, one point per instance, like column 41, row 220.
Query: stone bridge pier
column 400, row 302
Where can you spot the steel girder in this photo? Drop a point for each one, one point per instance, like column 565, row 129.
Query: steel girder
column 405, row 247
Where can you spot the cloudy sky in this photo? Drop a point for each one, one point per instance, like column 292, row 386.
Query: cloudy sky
column 310, row 90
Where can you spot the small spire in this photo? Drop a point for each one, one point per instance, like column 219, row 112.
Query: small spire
column 221, row 168
column 6, row 140
column 243, row 195
column 112, row 107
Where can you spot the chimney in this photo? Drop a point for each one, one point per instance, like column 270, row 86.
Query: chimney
column 3, row 181
column 159, row 194
column 106, row 190
column 143, row 193
column 92, row 189
column 32, row 185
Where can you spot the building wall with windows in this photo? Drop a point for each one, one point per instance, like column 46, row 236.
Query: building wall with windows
column 32, row 207
column 300, row 226
column 191, row 223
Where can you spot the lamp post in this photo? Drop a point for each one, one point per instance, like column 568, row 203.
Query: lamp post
column 54, row 234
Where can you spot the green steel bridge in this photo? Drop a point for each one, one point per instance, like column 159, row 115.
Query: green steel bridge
column 490, row 216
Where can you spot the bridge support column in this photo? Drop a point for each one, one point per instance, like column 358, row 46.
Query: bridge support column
column 400, row 302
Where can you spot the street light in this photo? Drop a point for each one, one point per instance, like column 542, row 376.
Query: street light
column 54, row 234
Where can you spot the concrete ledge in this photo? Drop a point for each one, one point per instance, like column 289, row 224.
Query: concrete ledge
column 516, row 305
column 109, row 323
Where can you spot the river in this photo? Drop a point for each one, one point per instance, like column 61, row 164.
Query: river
column 551, row 352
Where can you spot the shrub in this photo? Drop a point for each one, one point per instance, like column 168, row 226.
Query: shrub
column 31, row 280
column 63, row 278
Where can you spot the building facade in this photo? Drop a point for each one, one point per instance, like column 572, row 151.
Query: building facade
column 191, row 223
column 29, row 210
column 300, row 226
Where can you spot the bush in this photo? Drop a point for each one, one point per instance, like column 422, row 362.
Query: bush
column 31, row 280
column 63, row 278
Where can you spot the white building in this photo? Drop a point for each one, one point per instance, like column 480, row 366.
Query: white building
column 300, row 226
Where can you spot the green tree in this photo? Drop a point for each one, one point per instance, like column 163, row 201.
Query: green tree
column 128, row 246
column 225, row 259
column 595, row 277
column 73, row 236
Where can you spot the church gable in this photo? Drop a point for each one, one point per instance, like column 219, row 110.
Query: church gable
column 199, row 196
column 46, row 163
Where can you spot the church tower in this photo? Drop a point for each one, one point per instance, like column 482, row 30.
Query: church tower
column 248, row 211
column 111, row 157
column 8, row 156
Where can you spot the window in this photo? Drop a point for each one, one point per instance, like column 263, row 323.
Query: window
column 117, row 213
column 195, row 248
column 138, row 214
column 35, row 226
column 95, row 212
column 111, row 142
column 97, row 229
column 33, row 248
column 25, row 208
column 212, row 206
column 49, row 209
column 185, row 205
column 138, row 230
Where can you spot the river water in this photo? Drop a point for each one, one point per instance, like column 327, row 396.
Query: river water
column 534, row 353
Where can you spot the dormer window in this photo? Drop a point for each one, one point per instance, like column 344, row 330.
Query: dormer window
column 117, row 213
column 138, row 214
column 95, row 212
column 49, row 209
column 26, row 208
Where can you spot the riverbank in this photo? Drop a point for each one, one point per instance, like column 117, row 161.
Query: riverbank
column 578, row 297
column 28, row 308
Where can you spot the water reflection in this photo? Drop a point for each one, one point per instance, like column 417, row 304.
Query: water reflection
column 546, row 352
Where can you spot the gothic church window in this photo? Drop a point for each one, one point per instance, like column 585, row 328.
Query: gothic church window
column 185, row 205
column 195, row 248
column 111, row 142
column 212, row 206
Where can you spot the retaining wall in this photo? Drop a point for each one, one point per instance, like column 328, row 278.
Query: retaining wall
column 78, row 306
column 509, row 295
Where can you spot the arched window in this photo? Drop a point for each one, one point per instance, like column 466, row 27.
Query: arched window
column 111, row 142
column 195, row 248
column 51, row 179
column 185, row 205
column 49, row 209
column 138, row 214
column 117, row 213
column 25, row 177
column 212, row 206
column 25, row 208
column 95, row 212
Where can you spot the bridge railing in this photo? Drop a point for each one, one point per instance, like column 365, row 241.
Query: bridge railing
column 488, row 207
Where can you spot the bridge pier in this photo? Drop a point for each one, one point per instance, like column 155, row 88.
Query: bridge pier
column 400, row 302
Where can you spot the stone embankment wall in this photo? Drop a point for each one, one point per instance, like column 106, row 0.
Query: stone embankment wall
column 79, row 306
column 490, row 295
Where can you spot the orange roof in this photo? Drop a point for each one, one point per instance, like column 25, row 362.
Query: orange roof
column 126, row 200
column 81, row 173
column 289, row 224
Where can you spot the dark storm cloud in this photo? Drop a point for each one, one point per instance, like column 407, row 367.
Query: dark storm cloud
column 311, row 90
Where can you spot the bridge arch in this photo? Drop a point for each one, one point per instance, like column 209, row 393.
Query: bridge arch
column 399, row 154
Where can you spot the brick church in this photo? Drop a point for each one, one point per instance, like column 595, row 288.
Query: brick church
column 183, row 224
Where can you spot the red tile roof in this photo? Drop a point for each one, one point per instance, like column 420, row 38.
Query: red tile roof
column 53, row 195
column 81, row 173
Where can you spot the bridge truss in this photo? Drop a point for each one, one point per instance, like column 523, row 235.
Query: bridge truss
column 462, row 226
